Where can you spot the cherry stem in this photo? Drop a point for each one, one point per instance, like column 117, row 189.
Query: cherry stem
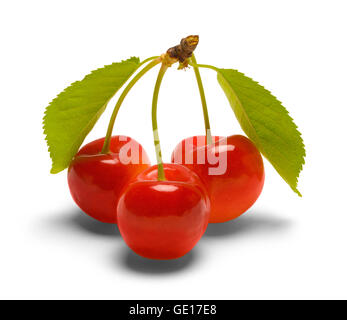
column 161, row 173
column 194, row 64
column 156, row 60
column 203, row 100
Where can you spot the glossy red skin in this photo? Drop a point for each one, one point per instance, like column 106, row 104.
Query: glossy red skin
column 235, row 191
column 164, row 219
column 97, row 180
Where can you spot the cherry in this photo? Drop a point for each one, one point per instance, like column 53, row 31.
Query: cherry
column 163, row 219
column 238, row 176
column 96, row 180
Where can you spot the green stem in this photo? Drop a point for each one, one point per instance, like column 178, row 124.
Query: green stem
column 106, row 146
column 148, row 59
column 203, row 66
column 161, row 173
column 203, row 101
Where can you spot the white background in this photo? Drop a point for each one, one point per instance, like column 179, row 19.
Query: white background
column 284, row 247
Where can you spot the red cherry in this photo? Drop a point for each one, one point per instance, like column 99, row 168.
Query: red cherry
column 238, row 176
column 163, row 219
column 96, row 180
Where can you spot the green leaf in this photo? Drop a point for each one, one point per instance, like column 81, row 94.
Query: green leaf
column 73, row 113
column 266, row 122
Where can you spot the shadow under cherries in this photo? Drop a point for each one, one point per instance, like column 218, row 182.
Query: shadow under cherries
column 80, row 221
column 250, row 222
column 131, row 261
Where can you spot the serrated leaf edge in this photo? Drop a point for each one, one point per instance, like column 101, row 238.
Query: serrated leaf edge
column 54, row 168
column 258, row 144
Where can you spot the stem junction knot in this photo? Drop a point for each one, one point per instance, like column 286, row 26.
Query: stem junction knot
column 182, row 52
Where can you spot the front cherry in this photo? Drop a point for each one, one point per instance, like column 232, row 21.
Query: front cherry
column 231, row 169
column 96, row 179
column 163, row 219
